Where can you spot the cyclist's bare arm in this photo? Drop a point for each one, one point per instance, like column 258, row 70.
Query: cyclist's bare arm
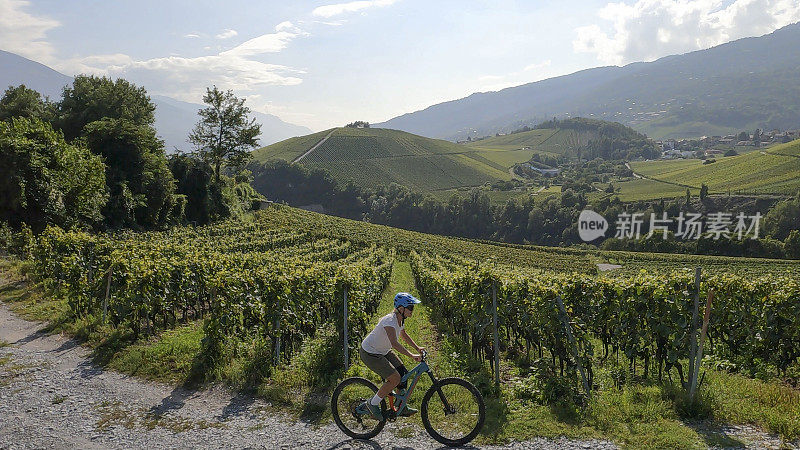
column 410, row 341
column 398, row 346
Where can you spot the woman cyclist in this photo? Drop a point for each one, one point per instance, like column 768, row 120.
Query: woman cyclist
column 376, row 352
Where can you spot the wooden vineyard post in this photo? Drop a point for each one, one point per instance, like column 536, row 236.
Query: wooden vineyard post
column 277, row 335
column 693, row 331
column 344, row 333
column 573, row 344
column 699, row 357
column 496, row 339
column 108, row 291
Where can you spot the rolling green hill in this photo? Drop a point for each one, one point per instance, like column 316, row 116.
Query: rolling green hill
column 772, row 171
column 578, row 137
column 372, row 156
column 507, row 150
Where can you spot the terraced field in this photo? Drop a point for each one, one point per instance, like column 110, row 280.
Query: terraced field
column 372, row 157
column 505, row 151
column 774, row 171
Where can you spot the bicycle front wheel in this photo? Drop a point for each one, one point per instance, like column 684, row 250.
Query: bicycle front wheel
column 453, row 411
column 347, row 396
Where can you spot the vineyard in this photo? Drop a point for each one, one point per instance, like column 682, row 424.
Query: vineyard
column 372, row 157
column 289, row 149
column 250, row 284
column 773, row 171
column 270, row 292
column 645, row 317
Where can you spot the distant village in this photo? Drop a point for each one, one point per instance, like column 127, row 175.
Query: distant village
column 730, row 145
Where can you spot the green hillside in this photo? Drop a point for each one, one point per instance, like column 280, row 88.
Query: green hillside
column 371, row 156
column 290, row 149
column 772, row 171
column 516, row 148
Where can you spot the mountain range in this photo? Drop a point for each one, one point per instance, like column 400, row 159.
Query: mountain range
column 741, row 85
column 174, row 118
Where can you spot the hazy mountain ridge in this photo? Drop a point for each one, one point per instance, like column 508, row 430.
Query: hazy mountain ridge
column 741, row 84
column 174, row 118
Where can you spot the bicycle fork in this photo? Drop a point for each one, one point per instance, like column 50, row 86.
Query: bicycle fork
column 447, row 408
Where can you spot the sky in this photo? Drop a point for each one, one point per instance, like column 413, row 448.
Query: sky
column 323, row 64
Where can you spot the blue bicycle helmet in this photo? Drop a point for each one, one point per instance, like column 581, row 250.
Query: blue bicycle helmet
column 405, row 299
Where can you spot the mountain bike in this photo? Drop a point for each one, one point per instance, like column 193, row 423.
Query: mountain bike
column 452, row 409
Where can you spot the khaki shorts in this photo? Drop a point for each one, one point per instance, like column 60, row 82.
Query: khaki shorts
column 383, row 365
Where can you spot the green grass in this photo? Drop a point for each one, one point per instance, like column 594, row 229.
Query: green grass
column 772, row 171
column 169, row 357
column 771, row 405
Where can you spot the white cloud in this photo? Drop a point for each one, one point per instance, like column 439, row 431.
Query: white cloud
column 91, row 65
column 649, row 29
column 23, row 33
column 341, row 8
column 227, row 34
column 285, row 32
column 191, row 36
column 187, row 78
column 285, row 26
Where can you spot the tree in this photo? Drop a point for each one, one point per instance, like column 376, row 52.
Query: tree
column 744, row 136
column 225, row 134
column 23, row 102
column 792, row 244
column 93, row 98
column 141, row 185
column 703, row 191
column 193, row 177
column 783, row 218
column 45, row 180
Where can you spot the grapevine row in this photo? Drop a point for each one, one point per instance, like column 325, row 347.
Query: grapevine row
column 647, row 317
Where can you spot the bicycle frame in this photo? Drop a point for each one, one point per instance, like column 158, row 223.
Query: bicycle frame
column 416, row 372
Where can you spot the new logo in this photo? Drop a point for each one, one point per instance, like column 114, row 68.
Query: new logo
column 591, row 225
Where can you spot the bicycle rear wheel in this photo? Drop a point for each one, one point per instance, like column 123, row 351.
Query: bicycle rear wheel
column 458, row 418
column 347, row 396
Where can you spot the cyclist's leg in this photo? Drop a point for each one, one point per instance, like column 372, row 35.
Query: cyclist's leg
column 398, row 365
column 380, row 364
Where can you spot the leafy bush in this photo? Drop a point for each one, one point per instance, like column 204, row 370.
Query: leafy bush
column 44, row 180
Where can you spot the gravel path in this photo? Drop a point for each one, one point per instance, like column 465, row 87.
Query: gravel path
column 52, row 396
